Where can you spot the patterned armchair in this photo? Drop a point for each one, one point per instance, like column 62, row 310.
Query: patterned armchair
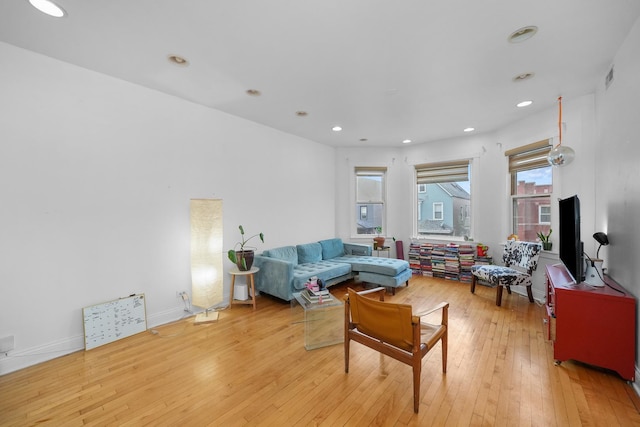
column 516, row 254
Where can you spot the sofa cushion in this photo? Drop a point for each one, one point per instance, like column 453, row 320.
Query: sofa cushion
column 383, row 266
column 331, row 248
column 285, row 253
column 309, row 252
column 324, row 270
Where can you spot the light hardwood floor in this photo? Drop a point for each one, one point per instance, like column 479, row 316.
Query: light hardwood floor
column 250, row 368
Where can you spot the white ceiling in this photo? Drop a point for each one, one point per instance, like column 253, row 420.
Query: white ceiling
column 384, row 70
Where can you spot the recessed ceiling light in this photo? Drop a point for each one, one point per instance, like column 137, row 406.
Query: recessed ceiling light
column 178, row 60
column 406, row 141
column 522, row 34
column 302, row 113
column 253, row 92
column 469, row 129
column 336, row 128
column 523, row 76
column 524, row 104
column 48, row 7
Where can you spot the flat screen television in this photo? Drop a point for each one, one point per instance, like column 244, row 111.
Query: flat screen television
column 570, row 243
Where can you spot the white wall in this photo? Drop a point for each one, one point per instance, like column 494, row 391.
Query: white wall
column 96, row 176
column 617, row 165
column 617, row 169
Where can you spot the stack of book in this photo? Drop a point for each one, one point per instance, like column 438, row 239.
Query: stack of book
column 425, row 259
column 438, row 261
column 316, row 296
column 451, row 262
column 466, row 262
column 484, row 260
column 414, row 258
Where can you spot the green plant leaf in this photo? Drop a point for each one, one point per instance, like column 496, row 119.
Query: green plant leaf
column 232, row 256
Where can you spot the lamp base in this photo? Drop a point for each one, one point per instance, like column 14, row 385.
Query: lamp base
column 594, row 275
column 206, row 317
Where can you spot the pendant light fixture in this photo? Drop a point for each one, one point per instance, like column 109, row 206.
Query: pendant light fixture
column 560, row 155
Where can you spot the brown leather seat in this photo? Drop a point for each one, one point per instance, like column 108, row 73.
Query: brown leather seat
column 393, row 330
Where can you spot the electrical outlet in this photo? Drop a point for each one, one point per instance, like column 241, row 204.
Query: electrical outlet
column 7, row 344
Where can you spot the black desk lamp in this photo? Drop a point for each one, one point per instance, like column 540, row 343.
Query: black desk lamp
column 602, row 239
column 593, row 276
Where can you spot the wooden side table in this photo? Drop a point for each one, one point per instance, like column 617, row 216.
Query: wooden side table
column 249, row 274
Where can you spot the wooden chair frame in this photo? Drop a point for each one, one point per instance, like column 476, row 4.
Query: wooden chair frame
column 413, row 353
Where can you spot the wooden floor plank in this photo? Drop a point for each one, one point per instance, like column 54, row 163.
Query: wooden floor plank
column 251, row 368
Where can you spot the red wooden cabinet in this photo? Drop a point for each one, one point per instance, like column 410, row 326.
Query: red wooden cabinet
column 592, row 325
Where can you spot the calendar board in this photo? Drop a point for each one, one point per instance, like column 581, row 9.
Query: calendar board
column 114, row 320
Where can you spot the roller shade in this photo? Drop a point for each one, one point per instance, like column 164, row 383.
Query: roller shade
column 531, row 156
column 370, row 184
column 431, row 173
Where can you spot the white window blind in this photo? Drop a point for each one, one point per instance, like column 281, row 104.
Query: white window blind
column 431, row 173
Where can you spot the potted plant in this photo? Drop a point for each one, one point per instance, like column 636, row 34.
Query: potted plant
column 544, row 238
column 243, row 258
column 378, row 241
column 482, row 249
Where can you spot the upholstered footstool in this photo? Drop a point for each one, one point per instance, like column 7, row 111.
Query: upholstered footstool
column 389, row 282
column 388, row 272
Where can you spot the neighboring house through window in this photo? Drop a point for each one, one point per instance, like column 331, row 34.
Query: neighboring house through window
column 531, row 189
column 544, row 214
column 443, row 199
column 370, row 199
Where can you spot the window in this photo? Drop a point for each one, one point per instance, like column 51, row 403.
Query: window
column 544, row 214
column 531, row 188
column 370, row 199
column 437, row 211
column 443, row 199
column 363, row 212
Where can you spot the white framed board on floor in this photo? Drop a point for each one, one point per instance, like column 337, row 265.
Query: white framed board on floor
column 114, row 320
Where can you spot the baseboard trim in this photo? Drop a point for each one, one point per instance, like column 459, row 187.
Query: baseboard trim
column 16, row 360
column 634, row 384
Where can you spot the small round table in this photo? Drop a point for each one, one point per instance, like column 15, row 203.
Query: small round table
column 250, row 282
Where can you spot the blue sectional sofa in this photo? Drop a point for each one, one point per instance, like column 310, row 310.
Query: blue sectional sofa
column 285, row 270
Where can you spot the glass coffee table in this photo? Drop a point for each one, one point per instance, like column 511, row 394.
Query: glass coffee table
column 323, row 322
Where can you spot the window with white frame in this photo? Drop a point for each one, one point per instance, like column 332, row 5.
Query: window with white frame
column 531, row 190
column 370, row 200
column 544, row 214
column 443, row 193
column 437, row 211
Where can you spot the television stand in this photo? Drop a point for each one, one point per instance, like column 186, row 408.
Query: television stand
column 592, row 325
